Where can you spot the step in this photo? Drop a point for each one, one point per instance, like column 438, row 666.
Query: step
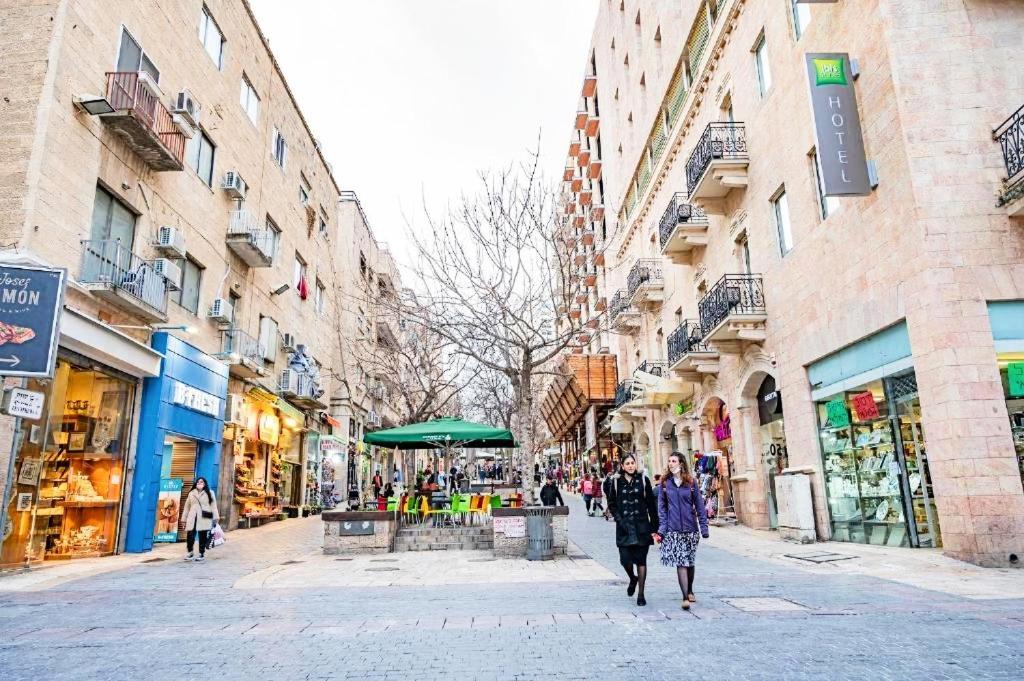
column 461, row 546
column 446, row 533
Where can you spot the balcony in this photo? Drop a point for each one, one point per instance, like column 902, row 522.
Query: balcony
column 582, row 297
column 589, row 86
column 597, row 212
column 113, row 273
column 579, row 259
column 584, row 158
column 718, row 163
column 594, row 169
column 579, row 221
column 575, row 312
column 623, row 393
column 242, row 353
column 386, row 332
column 143, row 121
column 598, row 259
column 574, row 148
column 689, row 357
column 252, row 241
column 654, row 367
column 568, row 173
column 576, row 184
column 624, row 318
column 581, row 120
column 588, row 237
column 683, row 227
column 302, row 388
column 645, row 285
column 593, row 126
column 734, row 310
column 1010, row 136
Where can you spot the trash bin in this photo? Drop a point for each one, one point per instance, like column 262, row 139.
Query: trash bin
column 540, row 537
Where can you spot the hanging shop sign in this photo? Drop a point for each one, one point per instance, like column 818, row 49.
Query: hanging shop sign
column 1015, row 374
column 864, row 406
column 168, row 509
column 26, row 404
column 269, row 428
column 196, row 400
column 838, row 416
column 331, row 443
column 30, row 304
column 844, row 167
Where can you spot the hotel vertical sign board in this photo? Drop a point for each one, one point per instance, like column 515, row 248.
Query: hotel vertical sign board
column 844, row 166
column 30, row 304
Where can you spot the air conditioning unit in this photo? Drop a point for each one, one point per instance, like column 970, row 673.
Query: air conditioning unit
column 234, row 185
column 220, row 311
column 187, row 108
column 233, row 409
column 289, row 383
column 373, row 418
column 288, row 342
column 170, row 241
column 171, row 271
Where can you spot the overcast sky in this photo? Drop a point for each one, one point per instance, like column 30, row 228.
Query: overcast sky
column 412, row 98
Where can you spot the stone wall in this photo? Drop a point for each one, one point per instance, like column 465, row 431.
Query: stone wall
column 515, row 547
column 336, row 523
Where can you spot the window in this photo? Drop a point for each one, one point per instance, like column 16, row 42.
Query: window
column 362, row 264
column 249, row 100
column 269, row 338
column 322, row 223
column 199, row 154
column 130, row 57
column 275, row 236
column 279, row 150
column 111, row 219
column 303, row 190
column 300, row 271
column 764, row 72
column 233, row 300
column 826, row 204
column 191, row 277
column 780, row 206
column 211, row 38
column 321, row 297
column 801, row 17
column 744, row 246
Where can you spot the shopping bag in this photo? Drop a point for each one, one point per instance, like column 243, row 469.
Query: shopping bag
column 216, row 536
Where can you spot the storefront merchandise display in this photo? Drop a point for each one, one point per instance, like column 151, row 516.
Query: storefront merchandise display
column 1011, row 369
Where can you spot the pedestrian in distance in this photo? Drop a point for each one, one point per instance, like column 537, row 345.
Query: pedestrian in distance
column 200, row 516
column 684, row 521
column 587, row 489
column 378, row 483
column 632, row 504
column 597, row 504
column 559, row 475
column 657, row 485
column 388, row 491
column 549, row 494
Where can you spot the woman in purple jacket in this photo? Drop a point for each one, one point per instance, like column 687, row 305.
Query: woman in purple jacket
column 683, row 521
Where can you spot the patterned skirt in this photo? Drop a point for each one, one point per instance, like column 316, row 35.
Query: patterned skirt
column 679, row 549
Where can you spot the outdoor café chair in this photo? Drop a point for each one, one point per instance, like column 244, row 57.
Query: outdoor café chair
column 481, row 505
column 496, row 502
column 392, row 505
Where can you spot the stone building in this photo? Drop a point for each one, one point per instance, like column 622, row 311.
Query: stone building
column 156, row 152
column 871, row 342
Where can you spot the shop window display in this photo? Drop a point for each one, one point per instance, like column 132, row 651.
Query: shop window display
column 69, row 469
column 1011, row 371
column 876, row 477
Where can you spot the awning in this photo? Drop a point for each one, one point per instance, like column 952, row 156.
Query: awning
column 105, row 344
column 655, row 391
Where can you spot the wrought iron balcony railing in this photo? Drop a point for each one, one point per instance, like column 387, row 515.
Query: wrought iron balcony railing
column 139, row 113
column 1010, row 136
column 619, row 303
column 719, row 141
column 112, row 263
column 655, row 367
column 732, row 294
column 623, row 393
column 687, row 338
column 237, row 346
column 677, row 213
column 643, row 272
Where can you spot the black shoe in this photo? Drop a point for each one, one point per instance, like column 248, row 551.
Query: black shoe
column 632, row 586
column 640, row 600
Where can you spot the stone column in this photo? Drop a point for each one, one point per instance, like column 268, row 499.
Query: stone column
column 747, row 421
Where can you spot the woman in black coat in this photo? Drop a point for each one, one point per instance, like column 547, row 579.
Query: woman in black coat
column 635, row 509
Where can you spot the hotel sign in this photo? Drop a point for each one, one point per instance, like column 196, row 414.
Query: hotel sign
column 30, row 304
column 844, row 167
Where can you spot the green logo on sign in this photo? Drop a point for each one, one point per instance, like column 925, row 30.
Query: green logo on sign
column 829, row 72
column 1015, row 374
column 838, row 415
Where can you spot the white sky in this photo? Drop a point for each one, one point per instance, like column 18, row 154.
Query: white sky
column 412, row 98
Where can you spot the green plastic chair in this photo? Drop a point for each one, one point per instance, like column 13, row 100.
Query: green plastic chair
column 496, row 501
column 392, row 504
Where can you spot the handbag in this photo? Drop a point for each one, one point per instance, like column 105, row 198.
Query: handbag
column 207, row 514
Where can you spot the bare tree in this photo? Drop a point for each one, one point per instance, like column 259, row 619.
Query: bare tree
column 494, row 273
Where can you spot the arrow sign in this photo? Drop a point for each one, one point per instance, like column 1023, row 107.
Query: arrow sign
column 31, row 298
column 12, row 360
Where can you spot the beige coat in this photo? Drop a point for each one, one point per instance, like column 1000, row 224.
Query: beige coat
column 195, row 503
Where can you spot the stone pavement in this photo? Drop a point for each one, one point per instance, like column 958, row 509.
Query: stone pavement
column 247, row 613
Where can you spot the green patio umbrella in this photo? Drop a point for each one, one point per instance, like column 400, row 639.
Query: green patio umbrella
column 444, row 433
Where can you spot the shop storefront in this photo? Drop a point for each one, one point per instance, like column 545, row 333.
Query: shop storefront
column 180, row 430
column 1007, row 318
column 68, row 487
column 333, row 463
column 875, row 462
column 774, row 455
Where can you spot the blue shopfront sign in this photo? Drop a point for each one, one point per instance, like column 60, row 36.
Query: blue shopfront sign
column 186, row 401
column 30, row 305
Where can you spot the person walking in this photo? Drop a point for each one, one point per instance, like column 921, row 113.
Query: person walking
column 684, row 521
column 632, row 505
column 606, row 485
column 378, row 484
column 597, row 504
column 549, row 494
column 559, row 475
column 587, row 489
column 200, row 516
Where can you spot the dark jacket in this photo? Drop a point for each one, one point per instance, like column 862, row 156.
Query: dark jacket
column 682, row 509
column 549, row 494
column 635, row 510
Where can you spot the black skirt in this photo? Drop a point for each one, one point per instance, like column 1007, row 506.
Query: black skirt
column 633, row 555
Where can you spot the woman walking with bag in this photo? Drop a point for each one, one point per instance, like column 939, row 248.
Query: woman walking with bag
column 200, row 516
column 631, row 502
column 684, row 521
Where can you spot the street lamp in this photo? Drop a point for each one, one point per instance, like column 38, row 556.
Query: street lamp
column 94, row 105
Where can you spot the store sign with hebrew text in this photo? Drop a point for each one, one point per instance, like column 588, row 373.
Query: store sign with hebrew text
column 838, row 416
column 1015, row 374
column 844, row 167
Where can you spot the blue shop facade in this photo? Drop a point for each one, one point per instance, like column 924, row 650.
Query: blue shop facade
column 180, row 433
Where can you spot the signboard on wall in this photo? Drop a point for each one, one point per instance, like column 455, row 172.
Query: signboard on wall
column 1015, row 376
column 30, row 305
column 168, row 509
column 844, row 167
column 196, row 400
column 838, row 416
column 510, row 527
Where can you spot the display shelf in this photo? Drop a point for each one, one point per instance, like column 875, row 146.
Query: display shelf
column 89, row 504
